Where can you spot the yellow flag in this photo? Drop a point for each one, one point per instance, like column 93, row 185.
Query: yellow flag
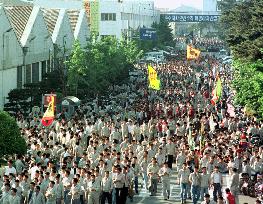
column 192, row 53
column 154, row 82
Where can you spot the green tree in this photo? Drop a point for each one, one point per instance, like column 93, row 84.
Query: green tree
column 248, row 83
column 11, row 140
column 243, row 27
column 102, row 63
column 164, row 33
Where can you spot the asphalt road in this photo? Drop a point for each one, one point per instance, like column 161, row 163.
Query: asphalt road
column 145, row 198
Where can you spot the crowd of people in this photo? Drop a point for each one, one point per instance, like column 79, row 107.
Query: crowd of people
column 108, row 147
column 211, row 44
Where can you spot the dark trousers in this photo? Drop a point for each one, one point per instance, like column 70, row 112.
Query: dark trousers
column 136, row 183
column 170, row 160
column 118, row 195
column 81, row 200
column 106, row 195
column 217, row 191
column 124, row 194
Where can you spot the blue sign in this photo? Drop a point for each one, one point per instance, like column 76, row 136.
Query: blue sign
column 148, row 34
column 190, row 18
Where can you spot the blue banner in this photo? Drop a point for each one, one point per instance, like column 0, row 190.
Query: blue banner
column 190, row 18
column 148, row 34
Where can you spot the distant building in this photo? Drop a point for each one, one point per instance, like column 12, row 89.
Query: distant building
column 210, row 7
column 111, row 17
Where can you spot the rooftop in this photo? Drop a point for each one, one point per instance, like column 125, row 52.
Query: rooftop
column 18, row 17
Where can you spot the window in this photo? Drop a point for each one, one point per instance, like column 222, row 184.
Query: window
column 108, row 16
column 28, row 73
column 35, row 72
column 106, row 36
column 19, row 77
column 43, row 68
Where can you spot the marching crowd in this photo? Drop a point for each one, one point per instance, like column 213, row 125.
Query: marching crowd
column 209, row 43
column 104, row 151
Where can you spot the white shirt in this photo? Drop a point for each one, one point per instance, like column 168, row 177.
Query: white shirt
column 217, row 178
column 11, row 170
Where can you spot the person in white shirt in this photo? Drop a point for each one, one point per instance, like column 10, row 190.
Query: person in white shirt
column 106, row 188
column 75, row 191
column 5, row 196
column 51, row 193
column 13, row 198
column 59, row 189
column 66, row 181
column 38, row 197
column 10, row 169
column 165, row 173
column 93, row 189
column 170, row 148
column 216, row 182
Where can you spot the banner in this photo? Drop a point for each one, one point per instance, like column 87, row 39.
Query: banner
column 190, row 18
column 154, row 82
column 49, row 116
column 192, row 53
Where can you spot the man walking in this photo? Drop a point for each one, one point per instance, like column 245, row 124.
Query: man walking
column 195, row 179
column 183, row 181
column 106, row 188
column 205, row 181
column 170, row 149
column 165, row 173
column 152, row 172
column 217, row 181
column 234, row 184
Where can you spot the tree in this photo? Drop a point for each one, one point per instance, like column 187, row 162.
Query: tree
column 248, row 83
column 243, row 27
column 164, row 33
column 11, row 140
column 102, row 63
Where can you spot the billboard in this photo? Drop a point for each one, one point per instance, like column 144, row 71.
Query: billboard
column 148, row 34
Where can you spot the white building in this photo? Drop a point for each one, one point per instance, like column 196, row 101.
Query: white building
column 210, row 7
column 115, row 17
column 119, row 18
column 79, row 24
column 11, row 57
column 60, row 30
column 30, row 41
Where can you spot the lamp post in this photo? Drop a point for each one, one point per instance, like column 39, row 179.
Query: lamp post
column 3, row 64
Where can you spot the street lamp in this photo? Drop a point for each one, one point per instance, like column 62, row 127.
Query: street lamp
column 3, row 63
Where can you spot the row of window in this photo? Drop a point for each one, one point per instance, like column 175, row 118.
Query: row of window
column 32, row 72
column 108, row 16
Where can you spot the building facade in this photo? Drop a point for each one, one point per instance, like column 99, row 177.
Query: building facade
column 34, row 34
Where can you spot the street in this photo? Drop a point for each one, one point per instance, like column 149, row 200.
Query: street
column 145, row 198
